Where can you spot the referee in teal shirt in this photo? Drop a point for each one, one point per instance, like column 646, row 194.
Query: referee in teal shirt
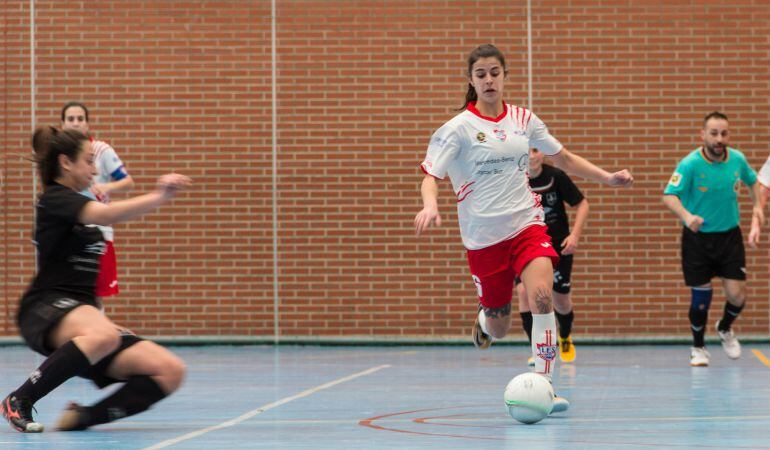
column 702, row 192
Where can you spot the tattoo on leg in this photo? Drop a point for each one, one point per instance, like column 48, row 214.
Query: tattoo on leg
column 494, row 313
column 543, row 302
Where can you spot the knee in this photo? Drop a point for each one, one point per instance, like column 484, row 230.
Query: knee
column 172, row 371
column 99, row 342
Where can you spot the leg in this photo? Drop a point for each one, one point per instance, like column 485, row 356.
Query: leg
column 524, row 311
column 537, row 278
column 735, row 292
column 562, row 305
column 81, row 338
column 152, row 373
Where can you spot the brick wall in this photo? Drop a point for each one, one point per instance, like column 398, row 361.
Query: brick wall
column 360, row 86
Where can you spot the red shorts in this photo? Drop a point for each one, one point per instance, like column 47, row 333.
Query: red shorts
column 107, row 280
column 495, row 268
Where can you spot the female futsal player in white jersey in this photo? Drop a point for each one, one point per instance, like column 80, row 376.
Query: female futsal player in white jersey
column 485, row 152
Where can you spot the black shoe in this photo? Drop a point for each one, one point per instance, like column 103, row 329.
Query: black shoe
column 18, row 412
column 74, row 418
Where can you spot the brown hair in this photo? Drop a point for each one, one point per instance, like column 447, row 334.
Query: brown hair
column 482, row 51
column 48, row 143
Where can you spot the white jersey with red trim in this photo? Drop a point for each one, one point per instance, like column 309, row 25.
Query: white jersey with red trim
column 487, row 160
column 109, row 168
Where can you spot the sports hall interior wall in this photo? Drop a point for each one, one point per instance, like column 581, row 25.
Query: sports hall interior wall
column 359, row 88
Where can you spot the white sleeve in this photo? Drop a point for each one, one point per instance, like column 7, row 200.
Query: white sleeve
column 540, row 138
column 443, row 149
column 110, row 164
column 764, row 174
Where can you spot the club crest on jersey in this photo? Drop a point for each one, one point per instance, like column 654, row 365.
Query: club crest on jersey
column 546, row 351
column 500, row 134
column 481, row 137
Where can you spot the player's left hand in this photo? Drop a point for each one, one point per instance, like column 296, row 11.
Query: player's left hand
column 569, row 245
column 621, row 179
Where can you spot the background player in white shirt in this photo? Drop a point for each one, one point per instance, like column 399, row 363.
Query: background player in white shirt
column 485, row 152
column 111, row 176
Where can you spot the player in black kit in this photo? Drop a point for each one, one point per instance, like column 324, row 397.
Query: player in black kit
column 58, row 315
column 556, row 188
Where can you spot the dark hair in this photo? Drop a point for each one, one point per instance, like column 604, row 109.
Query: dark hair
column 482, row 51
column 714, row 115
column 50, row 142
column 70, row 105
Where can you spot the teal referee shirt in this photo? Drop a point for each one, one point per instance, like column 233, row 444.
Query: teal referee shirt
column 710, row 188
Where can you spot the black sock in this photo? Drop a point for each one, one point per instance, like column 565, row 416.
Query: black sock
column 137, row 395
column 565, row 323
column 729, row 316
column 698, row 319
column 66, row 362
column 526, row 324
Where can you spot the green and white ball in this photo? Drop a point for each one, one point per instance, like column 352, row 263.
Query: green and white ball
column 529, row 397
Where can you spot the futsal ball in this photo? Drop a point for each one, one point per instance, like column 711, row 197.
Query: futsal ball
column 529, row 397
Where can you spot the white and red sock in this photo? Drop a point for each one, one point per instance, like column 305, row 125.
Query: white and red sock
column 545, row 346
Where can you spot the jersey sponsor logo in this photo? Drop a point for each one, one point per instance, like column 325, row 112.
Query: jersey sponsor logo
column 481, row 137
column 676, row 178
column 545, row 244
column 551, row 198
column 703, row 188
column 98, row 248
column 65, row 303
column 500, row 134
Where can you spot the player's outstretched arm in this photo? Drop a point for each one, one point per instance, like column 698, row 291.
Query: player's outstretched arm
column 577, row 165
column 429, row 213
column 107, row 214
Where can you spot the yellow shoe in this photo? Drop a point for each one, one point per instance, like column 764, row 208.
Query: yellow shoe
column 566, row 349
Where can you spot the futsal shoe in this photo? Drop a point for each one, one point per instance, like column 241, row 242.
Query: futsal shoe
column 699, row 357
column 18, row 412
column 74, row 418
column 480, row 339
column 531, row 361
column 566, row 349
column 729, row 342
column 560, row 404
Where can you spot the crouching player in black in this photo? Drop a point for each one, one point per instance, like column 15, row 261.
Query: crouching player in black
column 58, row 315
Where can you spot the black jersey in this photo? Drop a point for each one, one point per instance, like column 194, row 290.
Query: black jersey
column 555, row 187
column 68, row 251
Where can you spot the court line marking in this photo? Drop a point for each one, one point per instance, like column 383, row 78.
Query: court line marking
column 761, row 357
column 264, row 408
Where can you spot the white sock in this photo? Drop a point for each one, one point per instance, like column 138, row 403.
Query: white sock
column 544, row 343
column 483, row 322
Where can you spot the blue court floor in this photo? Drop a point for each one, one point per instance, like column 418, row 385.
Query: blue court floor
column 254, row 397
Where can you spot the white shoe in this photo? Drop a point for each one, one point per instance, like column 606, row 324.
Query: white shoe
column 729, row 343
column 699, row 357
column 560, row 404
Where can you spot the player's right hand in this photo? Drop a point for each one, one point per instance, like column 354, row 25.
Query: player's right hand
column 424, row 218
column 694, row 222
column 170, row 183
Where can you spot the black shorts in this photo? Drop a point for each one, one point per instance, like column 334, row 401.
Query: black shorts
column 562, row 273
column 709, row 255
column 41, row 314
